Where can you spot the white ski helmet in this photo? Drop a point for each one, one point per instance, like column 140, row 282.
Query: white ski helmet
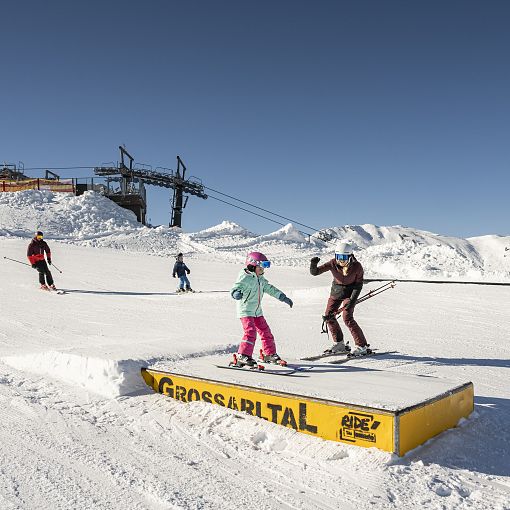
column 343, row 251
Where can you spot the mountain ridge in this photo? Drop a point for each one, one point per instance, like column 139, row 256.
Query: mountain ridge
column 93, row 220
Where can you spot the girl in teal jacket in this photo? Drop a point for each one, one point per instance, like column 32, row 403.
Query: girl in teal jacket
column 248, row 290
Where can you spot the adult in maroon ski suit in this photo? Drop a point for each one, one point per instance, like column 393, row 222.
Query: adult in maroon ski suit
column 345, row 290
column 35, row 253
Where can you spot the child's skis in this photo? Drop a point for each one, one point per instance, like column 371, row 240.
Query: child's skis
column 260, row 369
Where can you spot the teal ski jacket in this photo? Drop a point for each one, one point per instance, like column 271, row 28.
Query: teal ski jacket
column 253, row 288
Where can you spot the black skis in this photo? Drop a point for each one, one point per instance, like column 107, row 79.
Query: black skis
column 323, row 355
column 343, row 356
column 352, row 358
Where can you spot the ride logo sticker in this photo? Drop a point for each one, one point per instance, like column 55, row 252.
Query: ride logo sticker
column 357, row 426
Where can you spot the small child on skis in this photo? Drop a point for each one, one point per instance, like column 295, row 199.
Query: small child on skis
column 35, row 254
column 248, row 291
column 180, row 270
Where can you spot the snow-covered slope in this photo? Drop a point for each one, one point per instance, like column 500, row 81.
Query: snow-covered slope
column 79, row 429
column 395, row 252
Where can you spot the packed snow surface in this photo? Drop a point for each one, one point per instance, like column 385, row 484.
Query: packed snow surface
column 81, row 430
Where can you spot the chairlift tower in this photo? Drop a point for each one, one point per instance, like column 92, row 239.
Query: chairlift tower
column 163, row 177
column 178, row 201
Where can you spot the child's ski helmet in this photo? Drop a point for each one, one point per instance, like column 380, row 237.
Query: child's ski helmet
column 39, row 234
column 255, row 258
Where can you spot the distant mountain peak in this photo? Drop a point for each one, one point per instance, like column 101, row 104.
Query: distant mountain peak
column 287, row 233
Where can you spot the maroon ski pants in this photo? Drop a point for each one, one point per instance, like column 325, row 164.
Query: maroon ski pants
column 334, row 304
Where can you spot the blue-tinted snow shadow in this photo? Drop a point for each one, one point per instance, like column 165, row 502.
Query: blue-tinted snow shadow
column 320, row 368
column 477, row 362
column 480, row 444
column 129, row 293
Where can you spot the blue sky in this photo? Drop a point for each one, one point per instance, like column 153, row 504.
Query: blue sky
column 330, row 113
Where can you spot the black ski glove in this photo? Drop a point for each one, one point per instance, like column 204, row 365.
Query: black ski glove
column 173, row 275
column 33, row 266
column 49, row 262
column 188, row 271
column 352, row 300
column 313, row 266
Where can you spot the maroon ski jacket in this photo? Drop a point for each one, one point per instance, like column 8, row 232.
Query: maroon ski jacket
column 36, row 249
column 342, row 285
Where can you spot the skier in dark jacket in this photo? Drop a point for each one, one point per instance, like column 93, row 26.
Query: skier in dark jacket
column 180, row 270
column 35, row 253
column 345, row 290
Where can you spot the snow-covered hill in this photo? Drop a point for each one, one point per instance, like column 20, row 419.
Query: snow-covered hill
column 79, row 429
column 395, row 252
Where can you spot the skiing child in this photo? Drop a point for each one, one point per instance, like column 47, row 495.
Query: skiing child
column 248, row 290
column 35, row 253
column 345, row 289
column 180, row 269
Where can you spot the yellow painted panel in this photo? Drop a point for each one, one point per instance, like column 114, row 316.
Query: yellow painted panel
column 422, row 423
column 328, row 420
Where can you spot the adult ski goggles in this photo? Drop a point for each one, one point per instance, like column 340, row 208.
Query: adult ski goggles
column 38, row 237
column 342, row 257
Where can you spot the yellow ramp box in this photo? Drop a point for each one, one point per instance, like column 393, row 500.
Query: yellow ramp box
column 348, row 403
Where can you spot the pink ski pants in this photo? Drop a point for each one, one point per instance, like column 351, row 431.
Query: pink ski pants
column 251, row 326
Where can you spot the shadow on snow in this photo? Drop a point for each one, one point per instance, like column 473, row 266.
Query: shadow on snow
column 129, row 293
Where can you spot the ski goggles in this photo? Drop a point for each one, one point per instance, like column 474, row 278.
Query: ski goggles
column 38, row 237
column 261, row 263
column 342, row 257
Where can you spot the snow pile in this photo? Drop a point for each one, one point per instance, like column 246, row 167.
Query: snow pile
column 62, row 215
column 105, row 377
column 386, row 252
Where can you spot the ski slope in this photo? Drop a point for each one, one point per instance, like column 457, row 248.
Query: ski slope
column 80, row 429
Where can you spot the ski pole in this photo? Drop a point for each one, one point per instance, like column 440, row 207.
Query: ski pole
column 56, row 268
column 374, row 292
column 18, row 261
column 371, row 294
column 368, row 295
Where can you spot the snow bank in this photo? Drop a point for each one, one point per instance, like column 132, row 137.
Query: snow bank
column 63, row 216
column 391, row 252
column 108, row 378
